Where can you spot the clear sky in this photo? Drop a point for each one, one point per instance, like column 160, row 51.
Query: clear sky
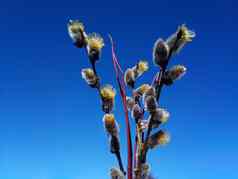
column 50, row 120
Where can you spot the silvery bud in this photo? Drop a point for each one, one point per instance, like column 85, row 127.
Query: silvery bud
column 110, row 124
column 77, row 33
column 135, row 72
column 180, row 38
column 108, row 94
column 137, row 112
column 89, row 76
column 130, row 102
column 173, row 74
column 159, row 138
column 140, row 68
column 141, row 90
column 160, row 53
column 160, row 116
column 149, row 92
column 150, row 103
column 116, row 173
column 95, row 44
column 129, row 78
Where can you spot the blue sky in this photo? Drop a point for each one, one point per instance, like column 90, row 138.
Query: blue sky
column 50, row 120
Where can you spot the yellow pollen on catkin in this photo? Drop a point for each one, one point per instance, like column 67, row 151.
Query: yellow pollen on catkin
column 142, row 66
column 89, row 73
column 187, row 35
column 143, row 88
column 163, row 139
column 75, row 26
column 95, row 41
column 107, row 92
column 109, row 120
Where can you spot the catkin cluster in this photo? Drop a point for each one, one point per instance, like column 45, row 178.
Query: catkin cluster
column 144, row 102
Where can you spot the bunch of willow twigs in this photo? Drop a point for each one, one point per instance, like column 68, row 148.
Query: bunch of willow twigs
column 143, row 104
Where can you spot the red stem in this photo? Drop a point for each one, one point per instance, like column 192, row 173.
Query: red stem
column 123, row 95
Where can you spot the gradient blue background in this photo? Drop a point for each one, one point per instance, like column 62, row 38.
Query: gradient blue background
column 50, row 120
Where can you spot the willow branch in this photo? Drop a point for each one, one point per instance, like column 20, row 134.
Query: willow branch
column 117, row 154
column 158, row 93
